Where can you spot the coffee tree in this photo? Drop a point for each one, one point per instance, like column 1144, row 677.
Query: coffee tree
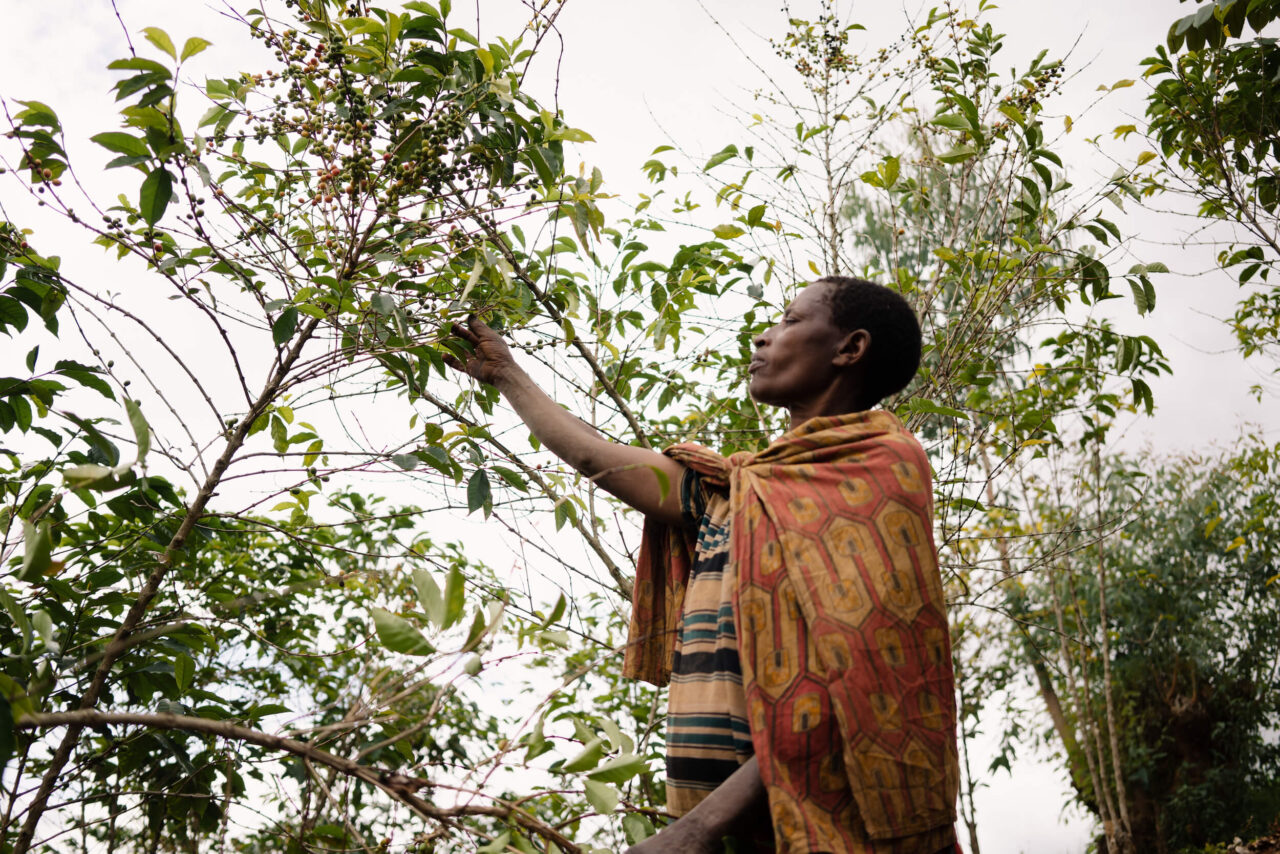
column 298, row 239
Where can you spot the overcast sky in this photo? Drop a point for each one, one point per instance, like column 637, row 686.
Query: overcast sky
column 636, row 75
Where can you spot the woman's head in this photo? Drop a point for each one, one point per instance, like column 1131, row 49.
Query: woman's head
column 894, row 355
column 842, row 345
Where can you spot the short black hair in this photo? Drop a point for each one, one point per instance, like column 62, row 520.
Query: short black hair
column 894, row 357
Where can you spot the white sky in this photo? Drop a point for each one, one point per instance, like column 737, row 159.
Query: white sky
column 636, row 75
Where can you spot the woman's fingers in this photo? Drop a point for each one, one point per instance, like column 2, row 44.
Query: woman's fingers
column 489, row 351
column 457, row 329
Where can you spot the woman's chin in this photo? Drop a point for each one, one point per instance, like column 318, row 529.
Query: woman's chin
column 760, row 393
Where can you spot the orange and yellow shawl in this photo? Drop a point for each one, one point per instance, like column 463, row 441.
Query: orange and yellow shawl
column 841, row 626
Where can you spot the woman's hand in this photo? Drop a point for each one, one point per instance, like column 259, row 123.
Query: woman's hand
column 636, row 475
column 490, row 360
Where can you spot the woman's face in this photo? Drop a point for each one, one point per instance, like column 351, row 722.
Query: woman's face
column 794, row 362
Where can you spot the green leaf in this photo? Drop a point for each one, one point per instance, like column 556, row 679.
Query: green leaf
column 183, row 669
column 14, row 704
column 969, row 109
column 476, row 631
column 1139, row 296
column 122, row 143
column 18, row 616
column 479, row 493
column 16, row 696
column 454, row 596
column 154, row 197
column 313, row 452
column 557, row 611
column 85, row 476
column 889, row 171
column 728, row 231
column 618, row 740
column 958, row 154
column 619, row 769
column 284, row 326
column 500, row 843
column 571, row 135
column 951, row 121
column 429, row 595
column 398, row 634
column 43, row 624
column 193, row 46
column 1125, row 354
column 545, row 164
column 536, row 743
column 558, row 638
column 408, row 462
column 564, row 513
column 141, row 430
column 1013, row 113
column 602, row 797
column 383, row 304
column 637, row 827
column 585, row 759
column 664, row 483
column 279, row 434
column 35, row 557
column 920, row 404
column 160, row 39
column 513, row 479
column 726, row 153
column 1142, row 396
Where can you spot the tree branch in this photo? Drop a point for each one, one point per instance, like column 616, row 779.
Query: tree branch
column 399, row 786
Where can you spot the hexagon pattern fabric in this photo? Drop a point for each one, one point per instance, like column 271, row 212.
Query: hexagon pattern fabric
column 841, row 627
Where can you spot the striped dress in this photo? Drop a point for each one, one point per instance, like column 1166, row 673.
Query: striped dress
column 707, row 732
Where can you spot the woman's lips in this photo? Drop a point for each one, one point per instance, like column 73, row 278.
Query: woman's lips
column 755, row 365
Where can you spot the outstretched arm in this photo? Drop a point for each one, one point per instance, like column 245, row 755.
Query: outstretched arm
column 626, row 471
column 734, row 806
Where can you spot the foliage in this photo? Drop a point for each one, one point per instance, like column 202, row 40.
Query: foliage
column 1194, row 644
column 222, row 575
column 1211, row 112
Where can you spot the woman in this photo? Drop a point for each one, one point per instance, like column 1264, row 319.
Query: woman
column 791, row 597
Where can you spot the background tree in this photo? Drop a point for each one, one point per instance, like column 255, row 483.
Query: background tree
column 1212, row 114
column 1194, row 647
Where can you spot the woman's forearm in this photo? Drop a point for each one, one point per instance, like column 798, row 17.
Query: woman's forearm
column 732, row 802
column 560, row 431
column 644, row 479
column 732, row 807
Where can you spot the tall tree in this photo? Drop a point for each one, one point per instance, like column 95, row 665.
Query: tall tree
column 1212, row 114
column 1190, row 563
column 205, row 582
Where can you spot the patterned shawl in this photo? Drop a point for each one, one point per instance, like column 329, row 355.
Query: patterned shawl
column 845, row 652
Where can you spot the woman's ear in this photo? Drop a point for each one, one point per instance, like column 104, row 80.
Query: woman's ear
column 853, row 348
